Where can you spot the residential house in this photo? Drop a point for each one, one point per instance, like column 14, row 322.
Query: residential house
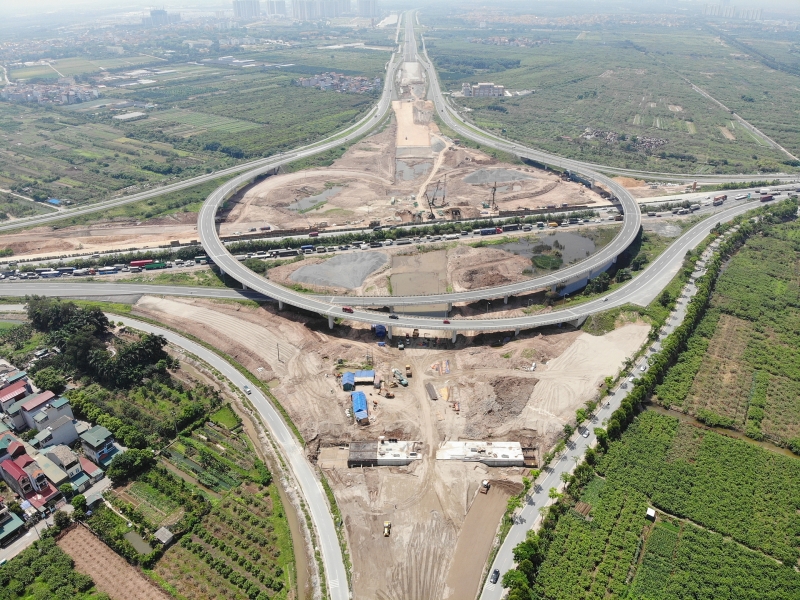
column 52, row 412
column 98, row 445
column 94, row 472
column 55, row 474
column 34, row 406
column 6, row 439
column 61, row 431
column 13, row 393
column 26, row 478
column 69, row 462
column 10, row 525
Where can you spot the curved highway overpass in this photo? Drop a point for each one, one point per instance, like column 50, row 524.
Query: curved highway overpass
column 327, row 305
column 640, row 290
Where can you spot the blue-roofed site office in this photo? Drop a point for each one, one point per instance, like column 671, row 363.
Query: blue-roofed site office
column 360, row 407
column 351, row 379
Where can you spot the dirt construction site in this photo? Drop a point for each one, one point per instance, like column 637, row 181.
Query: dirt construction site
column 442, row 528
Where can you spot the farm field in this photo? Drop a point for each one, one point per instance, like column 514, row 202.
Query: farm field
column 241, row 549
column 219, row 458
column 45, row 571
column 156, row 410
column 200, row 120
column 623, row 97
column 112, row 574
column 726, row 526
column 742, row 366
column 726, row 485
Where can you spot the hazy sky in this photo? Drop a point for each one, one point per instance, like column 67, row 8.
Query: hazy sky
column 33, row 7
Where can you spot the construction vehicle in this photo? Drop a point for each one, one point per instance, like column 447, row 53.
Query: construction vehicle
column 484, row 489
column 399, row 376
column 408, row 370
column 387, row 528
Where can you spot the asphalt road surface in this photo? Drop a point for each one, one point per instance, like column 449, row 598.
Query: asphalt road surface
column 290, row 449
column 640, row 290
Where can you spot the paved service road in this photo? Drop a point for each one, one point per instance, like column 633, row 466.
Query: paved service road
column 529, row 516
column 291, row 451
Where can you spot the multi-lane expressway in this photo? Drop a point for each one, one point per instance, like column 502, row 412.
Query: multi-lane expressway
column 331, row 306
column 640, row 290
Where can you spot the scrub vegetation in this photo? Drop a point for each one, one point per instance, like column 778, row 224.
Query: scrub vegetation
column 622, row 96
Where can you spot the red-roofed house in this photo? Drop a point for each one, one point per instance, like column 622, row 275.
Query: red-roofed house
column 28, row 480
column 94, row 472
column 12, row 393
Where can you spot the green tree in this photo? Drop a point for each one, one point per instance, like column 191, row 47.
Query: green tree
column 568, row 430
column 61, row 519
column 79, row 502
column 129, row 464
column 515, row 579
column 50, row 379
column 581, row 416
column 602, row 437
column 66, row 489
column 665, row 299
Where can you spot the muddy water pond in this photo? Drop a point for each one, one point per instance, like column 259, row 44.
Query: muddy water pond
column 573, row 247
column 408, row 172
column 312, row 201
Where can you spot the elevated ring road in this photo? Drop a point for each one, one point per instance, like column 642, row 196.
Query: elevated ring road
column 331, row 305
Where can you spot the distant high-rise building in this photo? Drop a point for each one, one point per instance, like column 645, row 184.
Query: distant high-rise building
column 367, row 8
column 160, row 17
column 246, row 9
column 276, row 7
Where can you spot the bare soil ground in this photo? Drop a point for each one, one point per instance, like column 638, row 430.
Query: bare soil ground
column 428, row 502
column 116, row 235
column 110, row 572
column 475, row 543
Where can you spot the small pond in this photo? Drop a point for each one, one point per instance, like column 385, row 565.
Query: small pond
column 573, row 247
column 312, row 201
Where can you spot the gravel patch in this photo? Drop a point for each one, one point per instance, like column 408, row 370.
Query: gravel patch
column 344, row 270
column 495, row 175
column 665, row 229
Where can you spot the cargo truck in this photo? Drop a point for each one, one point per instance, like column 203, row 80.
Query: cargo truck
column 154, row 266
column 718, row 200
column 408, row 370
column 767, row 198
column 141, row 263
column 489, row 231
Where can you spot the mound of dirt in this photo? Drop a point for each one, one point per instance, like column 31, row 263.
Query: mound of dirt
column 473, row 268
column 511, row 396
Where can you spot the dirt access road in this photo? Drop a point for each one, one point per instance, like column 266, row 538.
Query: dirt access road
column 110, row 572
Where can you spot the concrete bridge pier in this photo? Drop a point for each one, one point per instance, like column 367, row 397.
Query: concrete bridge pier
column 280, row 304
column 455, row 336
column 330, row 321
column 516, row 332
column 505, row 299
column 578, row 322
column 449, row 307
column 389, row 332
